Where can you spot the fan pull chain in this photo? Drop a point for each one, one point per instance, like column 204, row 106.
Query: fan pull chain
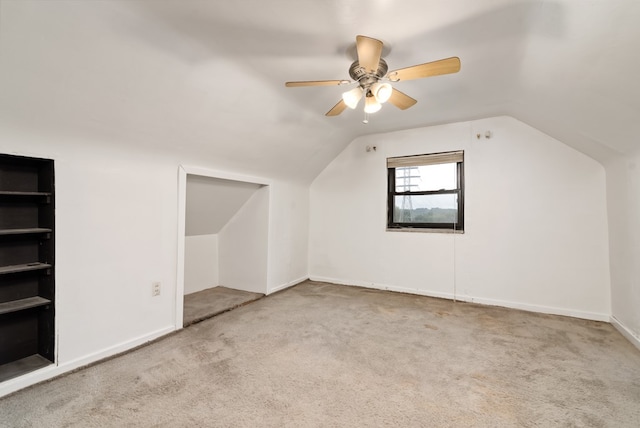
column 366, row 118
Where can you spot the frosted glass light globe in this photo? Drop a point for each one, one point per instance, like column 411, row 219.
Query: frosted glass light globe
column 371, row 105
column 352, row 97
column 382, row 92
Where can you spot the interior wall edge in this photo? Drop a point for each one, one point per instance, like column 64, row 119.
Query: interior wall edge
column 625, row 331
column 12, row 385
column 178, row 310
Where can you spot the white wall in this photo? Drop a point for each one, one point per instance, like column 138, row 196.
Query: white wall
column 116, row 215
column 200, row 263
column 243, row 245
column 535, row 222
column 116, row 234
column 623, row 194
column 288, row 249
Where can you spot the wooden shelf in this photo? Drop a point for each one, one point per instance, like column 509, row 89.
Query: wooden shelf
column 22, row 366
column 29, row 231
column 23, row 268
column 12, row 193
column 18, row 305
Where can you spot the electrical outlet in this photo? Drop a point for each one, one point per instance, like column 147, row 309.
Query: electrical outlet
column 155, row 289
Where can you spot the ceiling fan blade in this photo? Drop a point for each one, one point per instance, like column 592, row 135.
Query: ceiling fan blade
column 369, row 53
column 435, row 68
column 316, row 83
column 401, row 100
column 337, row 109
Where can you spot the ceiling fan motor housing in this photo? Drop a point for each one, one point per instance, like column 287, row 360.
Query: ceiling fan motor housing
column 360, row 74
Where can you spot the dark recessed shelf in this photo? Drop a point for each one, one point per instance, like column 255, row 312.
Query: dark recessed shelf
column 27, row 254
column 33, row 230
column 23, row 268
column 22, row 366
column 19, row 305
column 12, row 193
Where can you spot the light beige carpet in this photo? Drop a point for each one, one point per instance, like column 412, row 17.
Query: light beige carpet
column 213, row 301
column 321, row 355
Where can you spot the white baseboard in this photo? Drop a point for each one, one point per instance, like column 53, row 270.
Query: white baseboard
column 287, row 285
column 46, row 373
column 490, row 302
column 378, row 286
column 551, row 310
column 626, row 332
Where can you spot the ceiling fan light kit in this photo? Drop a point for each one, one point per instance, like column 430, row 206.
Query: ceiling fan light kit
column 382, row 91
column 371, row 104
column 369, row 71
column 352, row 97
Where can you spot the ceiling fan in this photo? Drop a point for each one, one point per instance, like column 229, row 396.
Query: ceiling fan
column 370, row 72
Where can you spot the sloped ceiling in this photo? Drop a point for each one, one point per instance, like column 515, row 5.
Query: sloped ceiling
column 204, row 80
column 212, row 202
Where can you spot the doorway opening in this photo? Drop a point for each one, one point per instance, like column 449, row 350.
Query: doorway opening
column 222, row 243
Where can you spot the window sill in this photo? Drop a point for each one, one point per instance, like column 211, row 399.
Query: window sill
column 423, row 230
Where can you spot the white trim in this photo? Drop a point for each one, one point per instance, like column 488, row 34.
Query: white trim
column 178, row 312
column 551, row 310
column 46, row 373
column 626, row 332
column 287, row 285
column 595, row 316
column 270, row 210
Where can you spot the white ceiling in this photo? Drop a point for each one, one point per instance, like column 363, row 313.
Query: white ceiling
column 204, row 80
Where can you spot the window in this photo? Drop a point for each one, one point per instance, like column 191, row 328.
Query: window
column 426, row 192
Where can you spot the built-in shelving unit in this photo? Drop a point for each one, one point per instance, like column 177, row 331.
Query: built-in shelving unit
column 27, row 280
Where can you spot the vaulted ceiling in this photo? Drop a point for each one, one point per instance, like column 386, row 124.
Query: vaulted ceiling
column 204, row 80
column 212, row 202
